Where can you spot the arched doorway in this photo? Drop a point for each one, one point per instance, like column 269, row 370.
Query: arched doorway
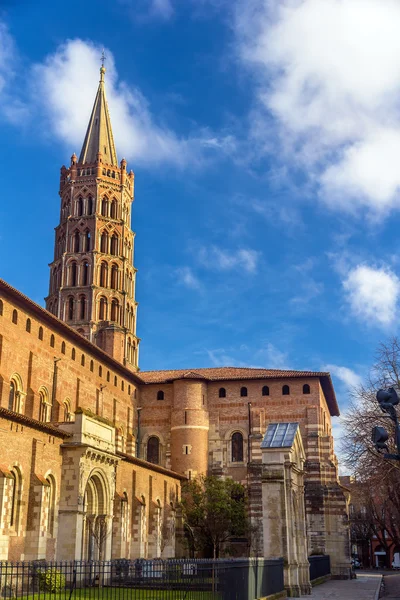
column 97, row 522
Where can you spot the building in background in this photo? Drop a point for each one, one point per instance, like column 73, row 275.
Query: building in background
column 95, row 450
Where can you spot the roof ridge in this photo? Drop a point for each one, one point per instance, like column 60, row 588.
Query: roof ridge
column 186, row 370
column 69, row 330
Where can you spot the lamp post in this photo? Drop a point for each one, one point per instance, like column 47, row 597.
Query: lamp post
column 387, row 399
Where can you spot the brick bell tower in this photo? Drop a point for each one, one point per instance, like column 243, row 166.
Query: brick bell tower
column 92, row 277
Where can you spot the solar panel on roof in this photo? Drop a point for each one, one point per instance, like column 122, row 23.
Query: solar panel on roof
column 279, row 435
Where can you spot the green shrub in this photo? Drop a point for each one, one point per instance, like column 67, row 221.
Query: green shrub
column 51, row 580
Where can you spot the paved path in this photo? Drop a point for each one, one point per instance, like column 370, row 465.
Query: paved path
column 365, row 587
column 391, row 586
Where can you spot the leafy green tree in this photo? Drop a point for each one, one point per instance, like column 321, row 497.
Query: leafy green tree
column 214, row 510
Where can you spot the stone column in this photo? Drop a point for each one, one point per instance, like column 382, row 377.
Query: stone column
column 283, row 513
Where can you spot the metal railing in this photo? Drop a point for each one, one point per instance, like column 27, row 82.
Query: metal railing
column 320, row 566
column 140, row 579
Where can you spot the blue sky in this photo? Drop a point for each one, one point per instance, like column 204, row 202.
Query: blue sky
column 265, row 140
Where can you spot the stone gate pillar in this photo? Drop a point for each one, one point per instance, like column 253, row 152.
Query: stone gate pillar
column 284, row 523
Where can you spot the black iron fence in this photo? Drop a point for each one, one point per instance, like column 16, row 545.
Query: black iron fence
column 320, row 566
column 184, row 579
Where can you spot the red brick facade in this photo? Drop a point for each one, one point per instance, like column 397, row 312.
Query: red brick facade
column 71, row 398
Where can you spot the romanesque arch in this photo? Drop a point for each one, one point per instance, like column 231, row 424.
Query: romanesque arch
column 97, row 518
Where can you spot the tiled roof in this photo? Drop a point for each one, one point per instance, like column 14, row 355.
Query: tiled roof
column 243, row 374
column 221, row 373
column 24, row 420
column 148, row 465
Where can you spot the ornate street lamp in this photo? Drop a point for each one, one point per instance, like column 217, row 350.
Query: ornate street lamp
column 387, row 399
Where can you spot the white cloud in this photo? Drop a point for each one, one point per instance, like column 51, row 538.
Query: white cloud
column 373, row 294
column 214, row 257
column 267, row 357
column 11, row 108
column 144, row 10
column 329, row 75
column 66, row 83
column 188, row 278
column 162, row 8
column 346, row 375
column 273, row 358
column 6, row 56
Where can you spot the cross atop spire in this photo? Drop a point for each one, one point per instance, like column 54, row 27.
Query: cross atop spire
column 99, row 137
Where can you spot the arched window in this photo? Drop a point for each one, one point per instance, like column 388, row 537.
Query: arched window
column 115, row 311
column 82, row 308
column 104, row 274
column 243, row 391
column 160, row 395
column 15, row 498
column 51, row 504
column 104, row 242
column 237, row 447
column 222, row 393
column 1, row 308
column 114, row 277
column 113, row 211
column 100, row 371
column 40, row 334
column 73, row 353
column 104, row 207
column 12, row 397
column 73, row 269
column 153, row 450
column 108, row 375
column 14, row 317
column 265, row 390
column 115, row 380
column 63, row 348
column 52, row 340
column 114, row 245
column 79, row 207
column 76, row 241
column 90, row 205
column 87, row 241
column 133, row 357
column 83, row 360
column 67, row 411
column 28, row 325
column 129, row 349
column 44, row 407
column 85, row 273
column 70, row 308
column 306, row 389
column 285, row 390
column 91, row 366
column 103, row 309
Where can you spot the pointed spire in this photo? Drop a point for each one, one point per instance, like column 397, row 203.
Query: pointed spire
column 99, row 136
